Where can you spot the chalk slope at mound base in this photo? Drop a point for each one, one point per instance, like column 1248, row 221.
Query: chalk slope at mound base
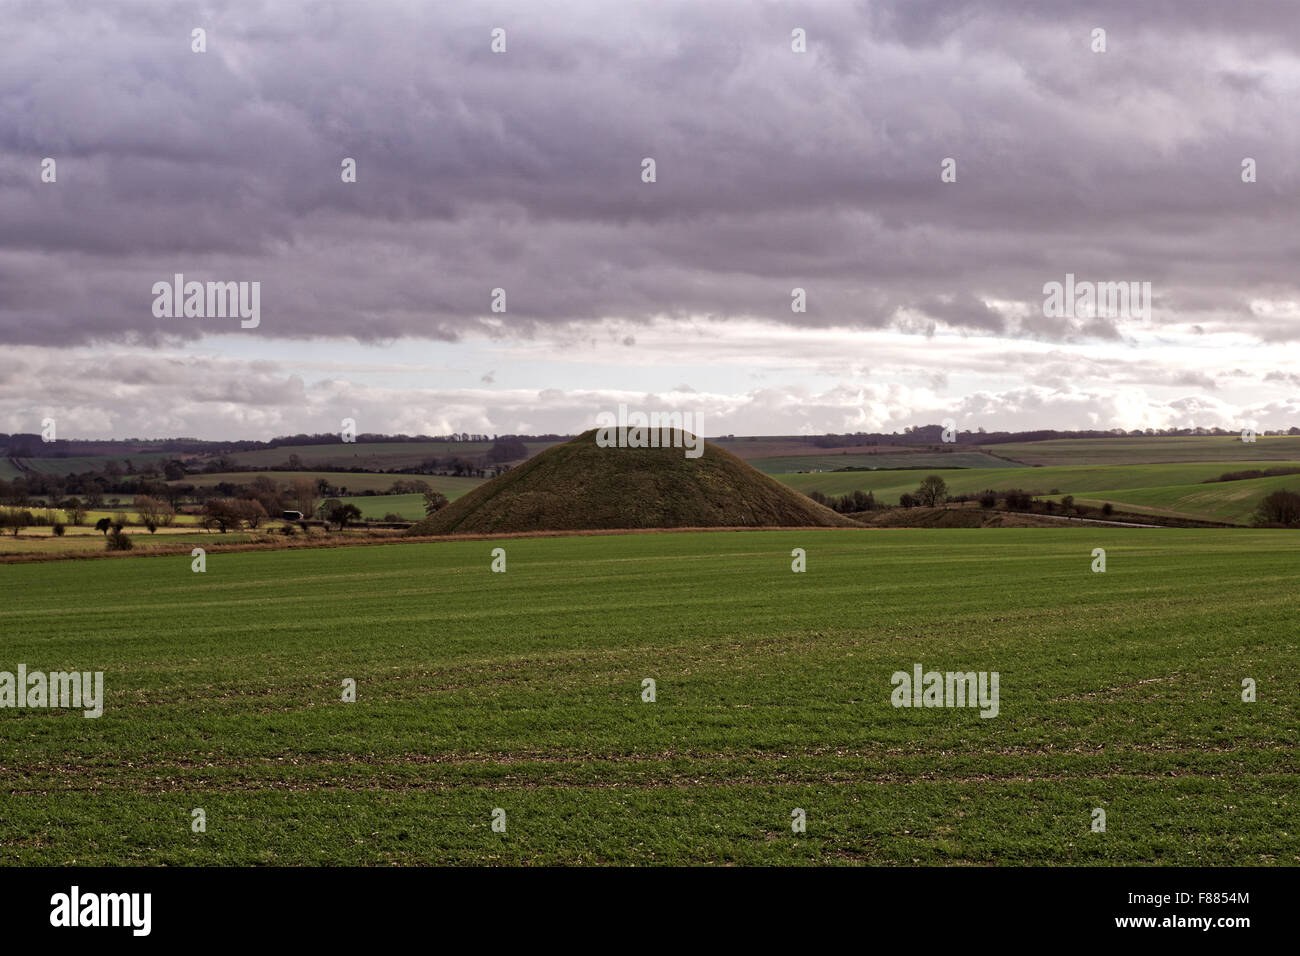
column 581, row 486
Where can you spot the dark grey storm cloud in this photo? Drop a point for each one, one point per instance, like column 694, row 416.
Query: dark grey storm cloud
column 522, row 170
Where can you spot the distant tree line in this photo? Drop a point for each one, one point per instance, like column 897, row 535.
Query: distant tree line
column 30, row 445
column 852, row 502
column 933, row 435
column 1253, row 473
column 1279, row 509
column 933, row 492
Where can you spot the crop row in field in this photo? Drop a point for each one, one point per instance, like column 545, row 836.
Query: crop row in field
column 524, row 691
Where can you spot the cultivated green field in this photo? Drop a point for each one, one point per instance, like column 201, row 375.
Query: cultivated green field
column 922, row 459
column 1229, row 501
column 1149, row 450
column 371, row 455
column 374, row 507
column 78, row 465
column 132, row 516
column 1179, row 481
column 752, row 447
column 449, row 485
column 522, row 691
column 141, row 540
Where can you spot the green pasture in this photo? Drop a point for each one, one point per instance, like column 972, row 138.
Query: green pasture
column 523, row 692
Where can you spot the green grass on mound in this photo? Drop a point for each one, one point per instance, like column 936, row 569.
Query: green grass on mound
column 580, row 486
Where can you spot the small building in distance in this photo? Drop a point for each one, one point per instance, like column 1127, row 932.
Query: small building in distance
column 291, row 515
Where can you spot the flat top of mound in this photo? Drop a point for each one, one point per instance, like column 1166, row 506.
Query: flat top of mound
column 579, row 485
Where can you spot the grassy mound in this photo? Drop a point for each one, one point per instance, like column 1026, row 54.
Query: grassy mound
column 580, row 486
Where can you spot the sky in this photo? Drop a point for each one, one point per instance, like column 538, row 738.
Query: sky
column 922, row 170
